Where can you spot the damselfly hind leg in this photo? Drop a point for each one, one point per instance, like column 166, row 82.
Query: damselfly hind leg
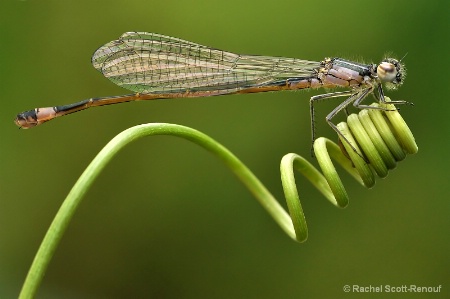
column 318, row 98
column 353, row 98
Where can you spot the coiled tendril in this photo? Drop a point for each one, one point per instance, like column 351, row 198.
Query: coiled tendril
column 382, row 137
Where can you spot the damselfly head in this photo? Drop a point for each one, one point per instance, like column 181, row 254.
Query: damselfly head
column 392, row 72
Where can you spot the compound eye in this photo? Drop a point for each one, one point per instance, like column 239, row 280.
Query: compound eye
column 387, row 72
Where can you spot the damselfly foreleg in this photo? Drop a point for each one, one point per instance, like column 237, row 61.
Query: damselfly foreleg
column 381, row 99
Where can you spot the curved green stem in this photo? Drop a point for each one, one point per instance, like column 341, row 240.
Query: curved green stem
column 294, row 224
column 72, row 201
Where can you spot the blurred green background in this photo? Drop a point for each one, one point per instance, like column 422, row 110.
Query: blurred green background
column 166, row 219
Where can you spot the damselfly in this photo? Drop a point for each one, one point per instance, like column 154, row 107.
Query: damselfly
column 155, row 66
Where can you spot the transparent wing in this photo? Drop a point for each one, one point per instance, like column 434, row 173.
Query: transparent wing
column 152, row 63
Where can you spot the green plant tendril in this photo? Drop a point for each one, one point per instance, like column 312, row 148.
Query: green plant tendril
column 381, row 136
